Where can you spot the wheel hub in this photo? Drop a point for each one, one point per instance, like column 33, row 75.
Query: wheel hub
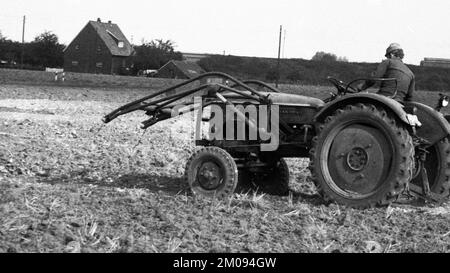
column 357, row 159
column 209, row 176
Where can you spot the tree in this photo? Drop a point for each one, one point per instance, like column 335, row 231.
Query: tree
column 155, row 54
column 342, row 59
column 327, row 57
column 324, row 57
column 46, row 51
column 46, row 37
column 8, row 49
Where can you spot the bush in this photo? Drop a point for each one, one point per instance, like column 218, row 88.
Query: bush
column 154, row 55
column 44, row 51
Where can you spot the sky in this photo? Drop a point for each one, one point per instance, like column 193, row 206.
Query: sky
column 359, row 30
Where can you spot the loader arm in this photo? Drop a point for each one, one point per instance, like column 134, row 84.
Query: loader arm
column 260, row 84
column 160, row 108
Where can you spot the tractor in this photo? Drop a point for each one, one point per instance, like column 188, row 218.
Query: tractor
column 364, row 149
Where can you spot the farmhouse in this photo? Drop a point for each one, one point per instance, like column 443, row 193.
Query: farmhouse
column 180, row 70
column 435, row 62
column 100, row 48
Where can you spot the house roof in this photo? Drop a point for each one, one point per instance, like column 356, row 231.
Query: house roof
column 190, row 69
column 111, row 34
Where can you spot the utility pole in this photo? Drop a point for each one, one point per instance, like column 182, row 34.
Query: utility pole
column 278, row 63
column 284, row 44
column 23, row 43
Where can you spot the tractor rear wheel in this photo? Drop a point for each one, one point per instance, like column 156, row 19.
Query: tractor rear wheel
column 212, row 172
column 437, row 165
column 362, row 157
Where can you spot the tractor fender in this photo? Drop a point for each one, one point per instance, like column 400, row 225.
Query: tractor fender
column 434, row 125
column 447, row 117
column 375, row 99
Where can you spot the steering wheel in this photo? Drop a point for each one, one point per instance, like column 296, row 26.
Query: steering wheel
column 342, row 87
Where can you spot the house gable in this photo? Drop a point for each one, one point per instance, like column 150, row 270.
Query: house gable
column 98, row 48
column 112, row 36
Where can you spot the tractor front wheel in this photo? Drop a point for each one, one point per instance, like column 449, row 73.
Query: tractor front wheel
column 212, row 172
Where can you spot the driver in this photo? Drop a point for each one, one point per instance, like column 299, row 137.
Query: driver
column 393, row 67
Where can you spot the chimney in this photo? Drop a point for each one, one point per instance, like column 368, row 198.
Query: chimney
column 98, row 20
column 109, row 22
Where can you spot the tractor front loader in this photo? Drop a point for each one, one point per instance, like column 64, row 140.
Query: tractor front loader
column 365, row 149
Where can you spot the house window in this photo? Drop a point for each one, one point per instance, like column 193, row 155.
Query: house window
column 120, row 44
column 74, row 63
column 99, row 65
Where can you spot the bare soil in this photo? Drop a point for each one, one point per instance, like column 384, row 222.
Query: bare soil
column 68, row 183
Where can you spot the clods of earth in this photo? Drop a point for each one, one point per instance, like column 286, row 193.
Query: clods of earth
column 68, row 183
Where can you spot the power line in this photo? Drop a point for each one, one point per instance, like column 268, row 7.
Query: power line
column 23, row 43
column 278, row 63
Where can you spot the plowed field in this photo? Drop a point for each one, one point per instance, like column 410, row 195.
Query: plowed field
column 68, row 183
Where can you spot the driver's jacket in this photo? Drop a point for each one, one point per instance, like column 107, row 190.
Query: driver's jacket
column 395, row 68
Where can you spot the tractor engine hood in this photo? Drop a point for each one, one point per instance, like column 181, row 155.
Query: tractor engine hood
column 282, row 99
column 295, row 100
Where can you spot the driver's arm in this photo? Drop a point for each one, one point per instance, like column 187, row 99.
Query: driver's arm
column 379, row 73
column 411, row 89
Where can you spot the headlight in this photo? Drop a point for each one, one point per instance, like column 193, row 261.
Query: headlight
column 444, row 100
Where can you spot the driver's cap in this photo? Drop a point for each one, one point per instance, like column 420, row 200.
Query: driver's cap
column 391, row 48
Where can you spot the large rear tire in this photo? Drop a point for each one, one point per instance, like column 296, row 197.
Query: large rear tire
column 437, row 165
column 212, row 172
column 362, row 157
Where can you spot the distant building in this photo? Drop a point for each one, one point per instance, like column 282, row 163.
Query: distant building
column 435, row 62
column 100, row 47
column 194, row 57
column 180, row 70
